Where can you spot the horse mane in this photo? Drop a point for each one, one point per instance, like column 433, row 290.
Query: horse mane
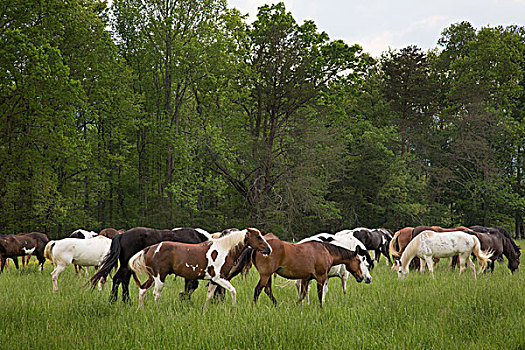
column 231, row 242
column 509, row 238
column 338, row 250
column 411, row 250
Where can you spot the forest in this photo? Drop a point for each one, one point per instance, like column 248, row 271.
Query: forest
column 172, row 113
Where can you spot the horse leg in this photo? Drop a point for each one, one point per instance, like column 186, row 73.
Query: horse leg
column 117, row 279
column 344, row 279
column 211, row 291
column 268, row 291
column 430, row 263
column 4, row 260
column 421, row 265
column 143, row 289
column 377, row 254
column 54, row 275
column 159, row 285
column 472, row 266
column 15, row 260
column 189, row 288
column 321, row 280
column 258, row 289
column 125, row 286
column 229, row 287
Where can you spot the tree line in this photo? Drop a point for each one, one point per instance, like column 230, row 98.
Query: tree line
column 169, row 113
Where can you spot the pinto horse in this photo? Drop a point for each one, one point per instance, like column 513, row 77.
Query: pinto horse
column 85, row 252
column 345, row 241
column 211, row 260
column 13, row 246
column 124, row 246
column 376, row 240
column 305, row 261
column 41, row 240
column 431, row 244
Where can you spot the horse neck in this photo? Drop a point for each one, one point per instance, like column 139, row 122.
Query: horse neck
column 409, row 252
column 508, row 249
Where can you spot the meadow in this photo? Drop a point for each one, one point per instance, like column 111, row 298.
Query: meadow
column 449, row 312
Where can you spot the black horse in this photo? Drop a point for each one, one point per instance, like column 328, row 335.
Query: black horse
column 510, row 249
column 124, row 246
column 377, row 240
column 499, row 241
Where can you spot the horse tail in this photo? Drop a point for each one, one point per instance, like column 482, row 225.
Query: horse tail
column 137, row 264
column 391, row 246
column 483, row 256
column 243, row 263
column 109, row 262
column 48, row 250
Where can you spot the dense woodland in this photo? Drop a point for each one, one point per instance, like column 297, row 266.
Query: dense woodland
column 169, row 113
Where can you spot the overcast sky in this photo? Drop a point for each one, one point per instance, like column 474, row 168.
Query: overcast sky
column 378, row 25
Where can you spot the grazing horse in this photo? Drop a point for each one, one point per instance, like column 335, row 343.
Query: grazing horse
column 431, row 244
column 211, row 260
column 375, row 240
column 124, row 246
column 13, row 246
column 405, row 235
column 67, row 251
column 502, row 243
column 305, row 261
column 345, row 241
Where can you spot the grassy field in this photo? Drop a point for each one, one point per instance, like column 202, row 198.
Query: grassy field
column 449, row 312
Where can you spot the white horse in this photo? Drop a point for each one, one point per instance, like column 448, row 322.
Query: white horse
column 82, row 234
column 430, row 244
column 345, row 241
column 83, row 252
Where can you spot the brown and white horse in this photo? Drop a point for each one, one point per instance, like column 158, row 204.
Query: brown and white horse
column 13, row 246
column 211, row 260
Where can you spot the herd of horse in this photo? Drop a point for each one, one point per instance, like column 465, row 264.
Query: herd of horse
column 195, row 254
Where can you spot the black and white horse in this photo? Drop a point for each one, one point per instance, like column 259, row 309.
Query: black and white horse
column 376, row 240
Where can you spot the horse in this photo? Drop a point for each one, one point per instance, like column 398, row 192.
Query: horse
column 109, row 233
column 124, row 246
column 375, row 240
column 210, row 260
column 67, row 251
column 502, row 243
column 431, row 244
column 305, row 261
column 345, row 241
column 41, row 240
column 13, row 246
column 405, row 235
column 82, row 234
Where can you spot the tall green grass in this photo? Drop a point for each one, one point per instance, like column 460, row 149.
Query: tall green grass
column 448, row 312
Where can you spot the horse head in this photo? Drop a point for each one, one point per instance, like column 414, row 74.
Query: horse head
column 366, row 263
column 255, row 240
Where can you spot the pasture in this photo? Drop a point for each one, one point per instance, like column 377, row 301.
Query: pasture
column 449, row 312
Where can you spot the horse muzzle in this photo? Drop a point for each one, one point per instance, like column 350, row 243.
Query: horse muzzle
column 368, row 280
column 266, row 252
column 359, row 279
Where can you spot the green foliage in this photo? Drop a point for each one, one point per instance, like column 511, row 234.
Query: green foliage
column 180, row 113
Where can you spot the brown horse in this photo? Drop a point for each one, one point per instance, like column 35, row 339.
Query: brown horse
column 110, row 232
column 13, row 246
column 210, row 260
column 41, row 240
column 304, row 261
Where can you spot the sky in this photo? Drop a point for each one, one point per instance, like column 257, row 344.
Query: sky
column 380, row 25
